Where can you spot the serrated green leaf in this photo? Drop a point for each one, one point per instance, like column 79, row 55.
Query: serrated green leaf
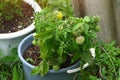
column 77, row 26
column 93, row 34
column 45, row 36
column 60, row 51
column 75, row 57
column 44, row 52
column 36, row 70
column 65, row 35
column 44, row 67
column 86, row 28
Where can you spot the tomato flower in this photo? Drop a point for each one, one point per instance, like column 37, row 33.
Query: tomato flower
column 59, row 14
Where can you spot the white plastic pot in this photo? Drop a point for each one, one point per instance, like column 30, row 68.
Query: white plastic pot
column 10, row 40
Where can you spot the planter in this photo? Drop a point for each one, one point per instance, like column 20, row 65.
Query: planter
column 51, row 75
column 10, row 40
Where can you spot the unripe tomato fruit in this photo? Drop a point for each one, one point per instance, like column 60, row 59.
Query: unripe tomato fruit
column 80, row 40
column 98, row 28
column 34, row 42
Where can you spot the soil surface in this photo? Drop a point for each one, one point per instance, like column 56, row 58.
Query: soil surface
column 32, row 55
column 18, row 23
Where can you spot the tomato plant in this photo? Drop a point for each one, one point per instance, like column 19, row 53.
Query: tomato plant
column 59, row 36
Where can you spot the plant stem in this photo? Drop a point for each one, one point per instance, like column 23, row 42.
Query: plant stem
column 100, row 72
column 110, row 60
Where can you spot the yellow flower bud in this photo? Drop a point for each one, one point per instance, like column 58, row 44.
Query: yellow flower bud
column 59, row 15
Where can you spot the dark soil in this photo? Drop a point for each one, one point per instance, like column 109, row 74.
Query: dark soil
column 33, row 53
column 19, row 22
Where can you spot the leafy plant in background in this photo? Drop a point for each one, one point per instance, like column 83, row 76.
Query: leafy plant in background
column 64, row 6
column 106, row 65
column 11, row 67
column 61, row 38
column 1, row 54
column 10, row 8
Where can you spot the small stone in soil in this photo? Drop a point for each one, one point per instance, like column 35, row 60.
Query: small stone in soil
column 20, row 27
column 16, row 20
column 32, row 17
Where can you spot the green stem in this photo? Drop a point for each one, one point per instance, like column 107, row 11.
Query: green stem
column 110, row 60
column 67, row 6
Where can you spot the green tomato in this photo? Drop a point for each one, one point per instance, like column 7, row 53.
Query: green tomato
column 34, row 42
column 56, row 67
column 98, row 28
column 96, row 18
column 80, row 39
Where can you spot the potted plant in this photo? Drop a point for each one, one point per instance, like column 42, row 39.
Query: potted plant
column 57, row 45
column 12, row 14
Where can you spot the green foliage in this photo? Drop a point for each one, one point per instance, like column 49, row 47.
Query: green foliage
column 42, row 68
column 9, row 8
column 11, row 67
column 1, row 54
column 56, row 38
column 106, row 64
column 63, row 5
